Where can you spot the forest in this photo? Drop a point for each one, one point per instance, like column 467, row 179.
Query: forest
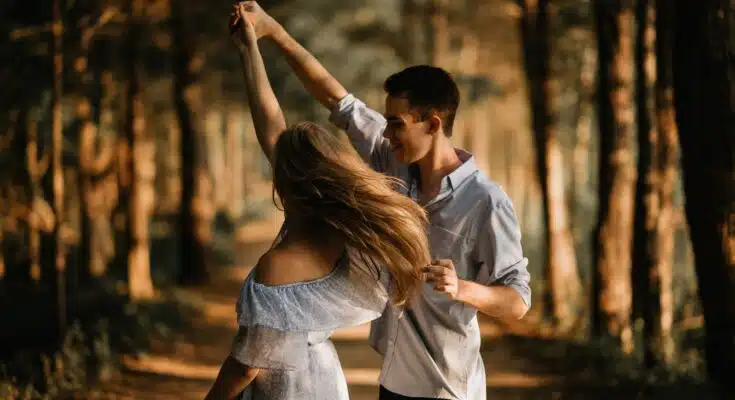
column 134, row 197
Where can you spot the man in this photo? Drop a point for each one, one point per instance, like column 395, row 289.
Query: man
column 430, row 349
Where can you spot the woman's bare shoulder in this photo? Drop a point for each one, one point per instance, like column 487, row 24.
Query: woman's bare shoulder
column 286, row 266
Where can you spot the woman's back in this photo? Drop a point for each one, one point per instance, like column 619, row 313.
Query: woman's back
column 299, row 258
column 289, row 306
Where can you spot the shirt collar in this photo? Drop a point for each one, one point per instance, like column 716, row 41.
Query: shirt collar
column 464, row 171
column 452, row 181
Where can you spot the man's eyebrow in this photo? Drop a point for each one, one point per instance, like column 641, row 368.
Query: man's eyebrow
column 393, row 118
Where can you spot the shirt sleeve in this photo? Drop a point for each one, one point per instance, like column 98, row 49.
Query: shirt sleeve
column 263, row 347
column 500, row 253
column 364, row 127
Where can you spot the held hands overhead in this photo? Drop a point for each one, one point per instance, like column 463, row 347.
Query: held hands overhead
column 248, row 23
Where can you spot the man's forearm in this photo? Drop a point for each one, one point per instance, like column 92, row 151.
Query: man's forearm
column 500, row 302
column 317, row 80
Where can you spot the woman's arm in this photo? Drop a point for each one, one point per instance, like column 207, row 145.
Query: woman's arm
column 266, row 112
column 232, row 379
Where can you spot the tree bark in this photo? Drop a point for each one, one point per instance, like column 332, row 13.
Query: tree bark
column 617, row 175
column 59, row 250
column 657, row 162
column 585, row 114
column 704, row 82
column 438, row 37
column 236, row 162
column 140, row 285
column 36, row 169
column 413, row 37
column 564, row 287
column 187, row 67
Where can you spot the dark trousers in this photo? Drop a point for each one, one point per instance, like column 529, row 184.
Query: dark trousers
column 386, row 394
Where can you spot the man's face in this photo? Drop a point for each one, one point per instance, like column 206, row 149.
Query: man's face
column 410, row 138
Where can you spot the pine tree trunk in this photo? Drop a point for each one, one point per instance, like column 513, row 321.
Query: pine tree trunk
column 617, row 175
column 140, row 285
column 187, row 67
column 704, row 83
column 439, row 33
column 35, row 171
column 59, row 251
column 564, row 287
column 413, row 41
column 3, row 211
column 87, row 135
column 585, row 113
column 107, row 191
column 654, row 229
column 236, row 162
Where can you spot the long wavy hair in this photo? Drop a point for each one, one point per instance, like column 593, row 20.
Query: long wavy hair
column 320, row 178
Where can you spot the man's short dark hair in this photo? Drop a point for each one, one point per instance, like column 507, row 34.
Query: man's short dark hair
column 427, row 88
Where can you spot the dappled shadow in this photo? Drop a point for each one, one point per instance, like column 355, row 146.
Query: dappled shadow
column 586, row 369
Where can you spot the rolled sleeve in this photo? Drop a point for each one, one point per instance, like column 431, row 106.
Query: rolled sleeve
column 500, row 253
column 364, row 127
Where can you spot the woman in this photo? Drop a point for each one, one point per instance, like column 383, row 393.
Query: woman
column 343, row 220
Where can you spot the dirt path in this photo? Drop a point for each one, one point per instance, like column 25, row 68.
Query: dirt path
column 184, row 365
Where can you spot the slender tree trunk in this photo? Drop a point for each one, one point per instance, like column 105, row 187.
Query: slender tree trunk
column 140, row 285
column 704, row 82
column 236, row 162
column 3, row 211
column 564, row 286
column 412, row 22
column 189, row 106
column 35, row 170
column 59, row 250
column 654, row 229
column 585, row 113
column 87, row 134
column 439, row 34
column 617, row 173
column 216, row 156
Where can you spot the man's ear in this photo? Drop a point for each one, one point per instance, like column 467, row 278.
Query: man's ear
column 435, row 124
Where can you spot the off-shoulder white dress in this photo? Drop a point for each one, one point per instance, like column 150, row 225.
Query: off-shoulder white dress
column 285, row 329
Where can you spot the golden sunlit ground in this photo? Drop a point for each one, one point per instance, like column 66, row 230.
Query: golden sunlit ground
column 182, row 365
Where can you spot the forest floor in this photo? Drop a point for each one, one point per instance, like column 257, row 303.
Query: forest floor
column 182, row 365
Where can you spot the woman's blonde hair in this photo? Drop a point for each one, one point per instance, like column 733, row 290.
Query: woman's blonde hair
column 322, row 179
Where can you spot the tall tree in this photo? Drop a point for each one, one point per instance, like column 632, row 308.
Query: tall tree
column 564, row 287
column 140, row 285
column 187, row 66
column 59, row 250
column 617, row 174
column 36, row 169
column 438, row 37
column 657, row 164
column 704, row 84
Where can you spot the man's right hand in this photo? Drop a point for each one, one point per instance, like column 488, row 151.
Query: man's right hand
column 263, row 23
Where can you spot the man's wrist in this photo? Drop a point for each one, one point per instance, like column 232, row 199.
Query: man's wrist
column 462, row 289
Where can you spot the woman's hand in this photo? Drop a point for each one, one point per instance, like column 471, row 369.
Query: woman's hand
column 242, row 30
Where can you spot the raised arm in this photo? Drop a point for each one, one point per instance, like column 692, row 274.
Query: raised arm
column 317, row 80
column 266, row 112
column 363, row 125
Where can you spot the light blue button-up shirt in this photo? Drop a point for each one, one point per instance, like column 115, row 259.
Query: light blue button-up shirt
column 432, row 348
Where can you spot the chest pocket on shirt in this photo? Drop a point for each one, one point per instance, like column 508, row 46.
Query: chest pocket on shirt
column 445, row 244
